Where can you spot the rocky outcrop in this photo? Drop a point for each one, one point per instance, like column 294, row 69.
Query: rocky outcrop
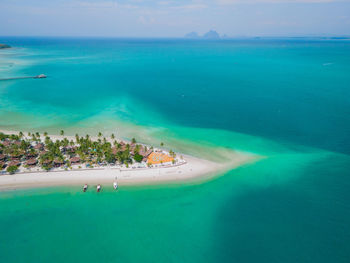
column 4, row 46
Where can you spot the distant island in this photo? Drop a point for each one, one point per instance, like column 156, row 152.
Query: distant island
column 4, row 46
column 212, row 34
column 192, row 35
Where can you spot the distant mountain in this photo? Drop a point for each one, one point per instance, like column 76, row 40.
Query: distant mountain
column 212, row 34
column 192, row 35
column 4, row 46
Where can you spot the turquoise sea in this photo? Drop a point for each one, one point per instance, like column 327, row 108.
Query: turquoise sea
column 285, row 99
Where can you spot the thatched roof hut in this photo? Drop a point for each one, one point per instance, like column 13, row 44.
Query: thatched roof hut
column 75, row 159
column 114, row 150
column 14, row 163
column 16, row 156
column 39, row 146
column 6, row 143
column 32, row 161
column 30, row 155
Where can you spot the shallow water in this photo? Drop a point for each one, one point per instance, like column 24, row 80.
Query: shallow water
column 284, row 99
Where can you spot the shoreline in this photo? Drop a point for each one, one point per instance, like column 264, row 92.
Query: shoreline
column 194, row 169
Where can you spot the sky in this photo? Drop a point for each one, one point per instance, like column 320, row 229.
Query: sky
column 174, row 18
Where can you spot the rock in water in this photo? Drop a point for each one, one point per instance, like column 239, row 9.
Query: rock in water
column 4, row 46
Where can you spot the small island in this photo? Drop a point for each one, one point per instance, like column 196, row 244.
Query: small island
column 210, row 35
column 41, row 160
column 4, row 46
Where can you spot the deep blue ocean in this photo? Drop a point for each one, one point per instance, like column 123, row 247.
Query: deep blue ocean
column 285, row 99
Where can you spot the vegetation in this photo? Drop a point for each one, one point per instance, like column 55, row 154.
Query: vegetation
column 49, row 154
column 12, row 169
column 138, row 157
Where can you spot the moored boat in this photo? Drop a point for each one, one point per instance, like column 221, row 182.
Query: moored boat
column 85, row 187
column 115, row 185
column 98, row 188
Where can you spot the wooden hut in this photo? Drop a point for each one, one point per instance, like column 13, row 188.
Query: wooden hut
column 32, row 162
column 14, row 163
column 75, row 160
column 2, row 157
column 6, row 143
column 114, row 150
column 16, row 156
column 39, row 146
column 31, row 155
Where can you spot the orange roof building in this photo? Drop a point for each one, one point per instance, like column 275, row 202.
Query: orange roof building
column 157, row 158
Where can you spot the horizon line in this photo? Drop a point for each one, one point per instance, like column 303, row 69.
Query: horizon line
column 179, row 37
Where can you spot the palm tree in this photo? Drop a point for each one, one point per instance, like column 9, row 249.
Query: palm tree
column 20, row 134
column 47, row 140
column 99, row 134
column 65, row 142
column 45, row 134
column 112, row 136
column 62, row 132
column 162, row 144
column 133, row 140
column 37, row 135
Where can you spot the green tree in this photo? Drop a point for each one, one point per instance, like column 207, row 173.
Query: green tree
column 138, row 157
column 12, row 169
column 99, row 134
column 62, row 132
column 133, row 140
column 162, row 144
column 45, row 134
column 20, row 134
column 47, row 140
column 112, row 136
